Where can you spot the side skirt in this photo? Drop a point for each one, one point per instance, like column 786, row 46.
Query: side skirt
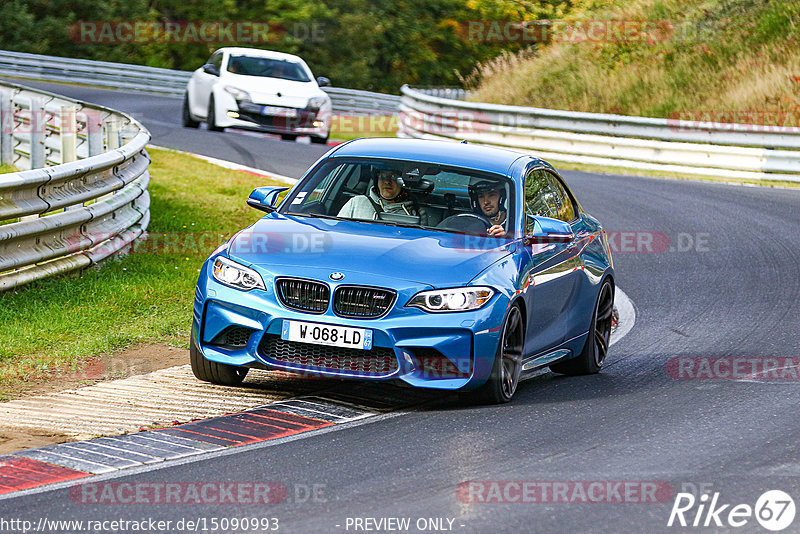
column 544, row 359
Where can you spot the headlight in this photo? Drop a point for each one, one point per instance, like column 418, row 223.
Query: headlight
column 316, row 102
column 234, row 275
column 452, row 300
column 237, row 93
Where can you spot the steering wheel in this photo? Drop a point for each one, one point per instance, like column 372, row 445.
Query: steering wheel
column 466, row 222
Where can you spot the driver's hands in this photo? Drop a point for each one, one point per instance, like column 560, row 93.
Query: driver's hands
column 496, row 230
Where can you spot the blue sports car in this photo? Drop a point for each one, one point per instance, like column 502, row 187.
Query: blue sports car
column 443, row 265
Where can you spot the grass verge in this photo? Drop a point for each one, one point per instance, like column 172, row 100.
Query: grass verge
column 702, row 60
column 53, row 326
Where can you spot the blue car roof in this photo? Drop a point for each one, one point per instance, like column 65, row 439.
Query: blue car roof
column 488, row 159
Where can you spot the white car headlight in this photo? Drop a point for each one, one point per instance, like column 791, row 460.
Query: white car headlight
column 238, row 94
column 235, row 275
column 316, row 102
column 452, row 300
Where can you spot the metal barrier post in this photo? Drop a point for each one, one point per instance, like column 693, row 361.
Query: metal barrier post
column 69, row 134
column 94, row 132
column 38, row 127
column 112, row 134
column 6, row 128
column 69, row 140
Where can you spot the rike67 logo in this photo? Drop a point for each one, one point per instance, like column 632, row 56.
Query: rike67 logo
column 774, row 510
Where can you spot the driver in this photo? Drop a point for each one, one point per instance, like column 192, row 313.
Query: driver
column 488, row 200
column 386, row 194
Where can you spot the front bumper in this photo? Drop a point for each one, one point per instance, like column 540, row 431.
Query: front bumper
column 445, row 351
column 249, row 115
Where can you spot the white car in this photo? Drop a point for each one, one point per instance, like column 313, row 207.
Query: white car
column 258, row 89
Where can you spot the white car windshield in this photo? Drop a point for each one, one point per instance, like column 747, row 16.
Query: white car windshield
column 406, row 193
column 267, row 68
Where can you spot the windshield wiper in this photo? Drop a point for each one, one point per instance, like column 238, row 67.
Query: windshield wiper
column 318, row 216
column 335, row 218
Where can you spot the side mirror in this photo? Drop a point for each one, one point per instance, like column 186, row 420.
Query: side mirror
column 263, row 198
column 208, row 68
column 322, row 81
column 540, row 229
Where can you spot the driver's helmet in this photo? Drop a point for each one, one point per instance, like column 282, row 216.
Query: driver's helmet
column 482, row 185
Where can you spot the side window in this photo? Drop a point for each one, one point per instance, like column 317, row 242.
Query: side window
column 546, row 197
column 322, row 187
column 216, row 60
column 537, row 191
column 561, row 203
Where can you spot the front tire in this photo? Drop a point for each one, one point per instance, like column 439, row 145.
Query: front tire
column 502, row 383
column 288, row 137
column 186, row 115
column 595, row 351
column 319, row 140
column 211, row 118
column 216, row 373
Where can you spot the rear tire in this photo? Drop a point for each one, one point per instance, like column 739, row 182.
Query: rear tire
column 211, row 118
column 503, row 382
column 186, row 115
column 216, row 373
column 595, row 351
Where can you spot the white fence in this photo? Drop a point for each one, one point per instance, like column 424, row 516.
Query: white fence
column 691, row 147
column 81, row 192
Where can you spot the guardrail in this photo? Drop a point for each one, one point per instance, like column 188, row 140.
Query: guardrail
column 690, row 147
column 81, row 192
column 166, row 82
column 357, row 102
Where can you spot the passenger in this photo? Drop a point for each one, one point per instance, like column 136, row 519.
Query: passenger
column 385, row 194
column 488, row 200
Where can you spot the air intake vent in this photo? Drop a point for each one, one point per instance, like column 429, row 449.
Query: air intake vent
column 378, row 361
column 303, row 295
column 233, row 337
column 362, row 302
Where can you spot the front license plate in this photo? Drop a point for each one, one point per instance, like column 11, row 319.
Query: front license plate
column 327, row 334
column 276, row 111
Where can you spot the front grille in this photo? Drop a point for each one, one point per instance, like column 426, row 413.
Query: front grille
column 362, row 302
column 377, row 361
column 252, row 112
column 303, row 120
column 234, row 337
column 303, row 295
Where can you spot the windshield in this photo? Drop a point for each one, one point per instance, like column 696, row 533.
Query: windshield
column 267, row 68
column 406, row 193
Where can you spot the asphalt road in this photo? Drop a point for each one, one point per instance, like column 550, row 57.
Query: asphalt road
column 733, row 293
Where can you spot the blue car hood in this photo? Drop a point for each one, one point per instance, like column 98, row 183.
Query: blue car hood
column 440, row 259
